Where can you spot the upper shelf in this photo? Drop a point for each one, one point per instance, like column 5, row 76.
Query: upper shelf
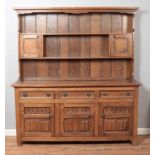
column 81, row 34
column 72, row 58
column 74, row 34
column 74, row 10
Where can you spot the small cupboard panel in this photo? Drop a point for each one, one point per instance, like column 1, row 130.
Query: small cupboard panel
column 30, row 45
column 77, row 119
column 121, row 45
column 37, row 120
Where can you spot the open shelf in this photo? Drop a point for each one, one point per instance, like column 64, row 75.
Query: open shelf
column 74, row 58
column 76, row 34
column 76, row 46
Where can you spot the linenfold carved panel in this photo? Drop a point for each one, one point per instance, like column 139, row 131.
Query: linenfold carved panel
column 116, row 124
column 37, row 125
column 116, row 110
column 77, row 125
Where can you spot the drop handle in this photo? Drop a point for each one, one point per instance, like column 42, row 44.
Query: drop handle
column 24, row 94
column 65, row 94
column 89, row 94
column 48, row 94
column 128, row 93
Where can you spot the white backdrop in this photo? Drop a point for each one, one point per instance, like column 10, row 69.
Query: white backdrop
column 142, row 49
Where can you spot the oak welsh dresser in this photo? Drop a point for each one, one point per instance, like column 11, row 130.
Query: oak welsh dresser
column 76, row 75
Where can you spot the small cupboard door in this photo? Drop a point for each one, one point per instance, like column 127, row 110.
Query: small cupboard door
column 121, row 45
column 37, row 120
column 76, row 119
column 115, row 119
column 30, row 45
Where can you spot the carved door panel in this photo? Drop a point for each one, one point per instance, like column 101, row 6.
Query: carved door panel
column 121, row 45
column 30, row 45
column 37, row 120
column 115, row 119
column 77, row 119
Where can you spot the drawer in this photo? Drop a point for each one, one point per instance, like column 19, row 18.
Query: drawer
column 116, row 93
column 37, row 94
column 76, row 94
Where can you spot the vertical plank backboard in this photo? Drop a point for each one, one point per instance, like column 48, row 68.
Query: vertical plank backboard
column 63, row 23
column 52, row 23
column 73, row 23
column 84, row 23
column 30, row 23
column 95, row 21
column 64, row 51
column 106, row 23
column 41, row 21
column 116, row 23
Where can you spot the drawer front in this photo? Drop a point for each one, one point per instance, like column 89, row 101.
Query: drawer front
column 37, row 94
column 116, row 93
column 76, row 94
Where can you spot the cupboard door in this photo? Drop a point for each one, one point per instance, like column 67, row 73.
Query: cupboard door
column 30, row 45
column 76, row 119
column 37, row 120
column 115, row 119
column 121, row 45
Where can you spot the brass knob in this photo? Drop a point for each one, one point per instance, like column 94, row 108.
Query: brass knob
column 48, row 94
column 88, row 94
column 128, row 93
column 24, row 94
column 65, row 94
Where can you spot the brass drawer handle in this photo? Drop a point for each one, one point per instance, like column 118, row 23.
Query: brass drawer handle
column 89, row 94
column 104, row 94
column 65, row 94
column 128, row 93
column 48, row 94
column 25, row 95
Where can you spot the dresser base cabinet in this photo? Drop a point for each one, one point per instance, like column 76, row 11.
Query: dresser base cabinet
column 76, row 114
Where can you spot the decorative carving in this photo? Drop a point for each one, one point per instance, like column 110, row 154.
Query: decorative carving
column 77, row 125
column 116, row 110
column 76, row 110
column 37, row 125
column 37, row 110
column 116, row 124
